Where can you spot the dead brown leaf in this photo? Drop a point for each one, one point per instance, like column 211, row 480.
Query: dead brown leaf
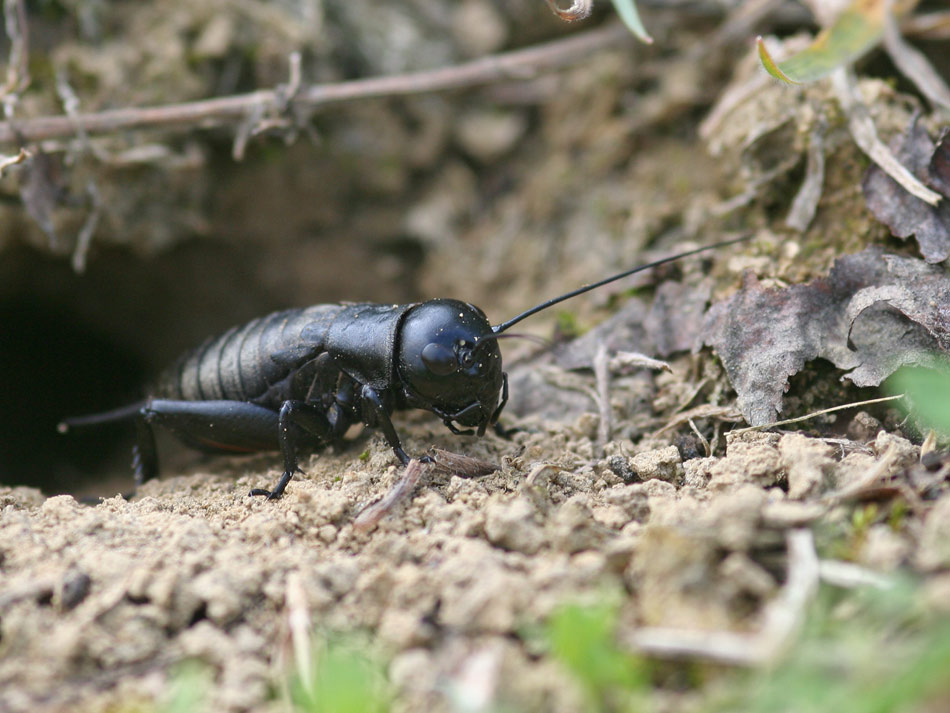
column 905, row 214
column 871, row 315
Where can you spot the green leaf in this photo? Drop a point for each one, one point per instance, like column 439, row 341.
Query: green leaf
column 188, row 688
column 856, row 30
column 345, row 679
column 929, row 393
column 581, row 637
column 627, row 9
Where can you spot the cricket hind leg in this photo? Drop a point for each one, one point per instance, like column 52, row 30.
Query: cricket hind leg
column 211, row 426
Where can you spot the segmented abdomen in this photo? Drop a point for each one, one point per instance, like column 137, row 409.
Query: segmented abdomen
column 245, row 361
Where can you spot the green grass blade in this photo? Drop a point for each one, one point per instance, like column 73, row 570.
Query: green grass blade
column 857, row 29
column 627, row 9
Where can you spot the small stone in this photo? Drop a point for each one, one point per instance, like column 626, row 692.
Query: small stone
column 734, row 520
column 573, row 528
column 621, row 468
column 632, row 499
column 478, row 28
column 787, row 513
column 751, row 457
column 75, row 589
column 809, row 464
column 662, row 464
column 884, row 550
column 906, row 452
column 698, row 471
column 863, row 427
column 690, row 447
column 487, row 136
column 512, row 526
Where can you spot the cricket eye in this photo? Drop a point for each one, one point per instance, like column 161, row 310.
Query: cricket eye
column 439, row 359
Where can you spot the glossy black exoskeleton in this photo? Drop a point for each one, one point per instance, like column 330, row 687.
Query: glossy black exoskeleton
column 302, row 377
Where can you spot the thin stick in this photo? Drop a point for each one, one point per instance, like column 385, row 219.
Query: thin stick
column 782, row 619
column 519, row 64
column 602, row 377
column 870, row 479
column 371, row 515
column 7, row 161
column 298, row 622
column 865, row 136
column 818, row 413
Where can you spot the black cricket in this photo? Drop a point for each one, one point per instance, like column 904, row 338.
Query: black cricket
column 301, row 377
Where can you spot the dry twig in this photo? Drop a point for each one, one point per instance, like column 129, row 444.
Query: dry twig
column 865, row 136
column 806, row 200
column 823, row 411
column 871, row 479
column 18, row 68
column 914, row 65
column 849, row 575
column 7, row 161
column 519, row 64
column 298, row 622
column 782, row 619
column 602, row 379
column 461, row 465
column 371, row 515
column 725, row 413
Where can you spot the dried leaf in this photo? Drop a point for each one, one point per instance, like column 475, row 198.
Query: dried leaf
column 914, row 65
column 871, row 315
column 461, row 465
column 622, row 331
column 579, row 10
column 675, row 317
column 939, row 168
column 864, row 132
column 905, row 214
column 670, row 325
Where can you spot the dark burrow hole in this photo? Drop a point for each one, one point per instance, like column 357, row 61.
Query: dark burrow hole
column 54, row 365
column 74, row 345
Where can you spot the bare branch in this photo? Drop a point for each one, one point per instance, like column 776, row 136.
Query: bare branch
column 7, row 161
column 18, row 70
column 298, row 622
column 806, row 200
column 782, row 619
column 602, row 378
column 370, row 516
column 519, row 64
column 914, row 65
column 929, row 26
column 823, row 411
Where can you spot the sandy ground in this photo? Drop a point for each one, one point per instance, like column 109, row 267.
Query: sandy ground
column 98, row 603
column 512, row 194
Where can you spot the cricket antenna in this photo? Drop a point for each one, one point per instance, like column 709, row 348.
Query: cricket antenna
column 497, row 329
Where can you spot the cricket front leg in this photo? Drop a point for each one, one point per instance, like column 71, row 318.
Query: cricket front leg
column 376, row 415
